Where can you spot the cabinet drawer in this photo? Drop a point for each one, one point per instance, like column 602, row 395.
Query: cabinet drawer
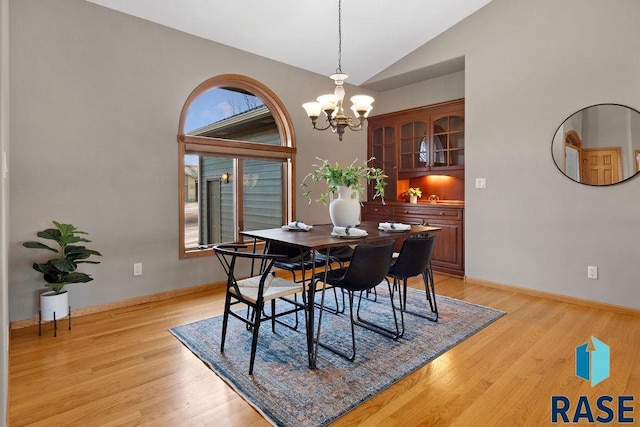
column 427, row 212
column 377, row 211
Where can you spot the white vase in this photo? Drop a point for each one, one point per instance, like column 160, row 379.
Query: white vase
column 413, row 199
column 345, row 210
column 51, row 303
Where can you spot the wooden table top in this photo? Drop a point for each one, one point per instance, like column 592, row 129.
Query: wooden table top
column 319, row 237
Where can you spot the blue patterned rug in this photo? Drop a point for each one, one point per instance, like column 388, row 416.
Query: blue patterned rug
column 287, row 393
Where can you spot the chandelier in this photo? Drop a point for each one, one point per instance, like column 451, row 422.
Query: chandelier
column 332, row 104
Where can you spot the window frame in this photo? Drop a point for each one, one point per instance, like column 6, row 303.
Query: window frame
column 190, row 144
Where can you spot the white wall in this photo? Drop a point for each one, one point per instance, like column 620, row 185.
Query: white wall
column 95, row 101
column 528, row 66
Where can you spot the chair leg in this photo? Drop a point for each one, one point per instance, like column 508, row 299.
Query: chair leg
column 430, row 296
column 399, row 330
column 225, row 320
column 393, row 307
column 336, row 310
column 273, row 315
column 254, row 340
column 430, row 290
column 335, row 294
column 295, row 298
column 353, row 331
column 401, row 285
column 340, row 353
column 251, row 312
column 375, row 294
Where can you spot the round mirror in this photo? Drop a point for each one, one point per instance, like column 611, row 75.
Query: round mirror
column 599, row 145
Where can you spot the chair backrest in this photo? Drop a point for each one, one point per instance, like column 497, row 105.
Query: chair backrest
column 291, row 253
column 414, row 258
column 368, row 266
column 229, row 253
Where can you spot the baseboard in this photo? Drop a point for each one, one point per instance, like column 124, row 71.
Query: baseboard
column 124, row 303
column 556, row 297
column 194, row 289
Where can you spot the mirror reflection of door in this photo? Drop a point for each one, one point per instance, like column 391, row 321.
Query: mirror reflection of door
column 601, row 166
column 599, row 145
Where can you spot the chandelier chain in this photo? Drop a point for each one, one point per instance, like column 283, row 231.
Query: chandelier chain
column 339, row 69
column 332, row 104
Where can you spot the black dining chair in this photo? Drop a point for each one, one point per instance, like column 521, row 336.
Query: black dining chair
column 341, row 255
column 296, row 261
column 368, row 268
column 415, row 259
column 254, row 292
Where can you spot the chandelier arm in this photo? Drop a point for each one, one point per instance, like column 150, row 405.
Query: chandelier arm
column 359, row 126
column 324, row 128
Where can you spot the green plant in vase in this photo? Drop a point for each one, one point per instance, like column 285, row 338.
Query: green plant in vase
column 351, row 177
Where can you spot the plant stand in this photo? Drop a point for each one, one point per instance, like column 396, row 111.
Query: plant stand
column 55, row 322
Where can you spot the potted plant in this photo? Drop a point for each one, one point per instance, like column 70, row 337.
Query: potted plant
column 61, row 270
column 348, row 183
column 413, row 194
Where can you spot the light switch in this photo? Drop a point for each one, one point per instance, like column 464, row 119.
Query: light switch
column 481, row 182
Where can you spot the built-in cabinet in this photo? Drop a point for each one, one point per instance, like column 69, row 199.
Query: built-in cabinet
column 411, row 146
column 448, row 253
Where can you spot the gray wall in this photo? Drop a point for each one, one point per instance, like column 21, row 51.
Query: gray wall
column 4, row 209
column 95, row 101
column 427, row 92
column 102, row 91
column 528, row 66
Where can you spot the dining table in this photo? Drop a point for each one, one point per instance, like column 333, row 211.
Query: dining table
column 322, row 238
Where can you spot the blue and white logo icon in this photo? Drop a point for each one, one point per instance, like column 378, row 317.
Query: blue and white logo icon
column 592, row 363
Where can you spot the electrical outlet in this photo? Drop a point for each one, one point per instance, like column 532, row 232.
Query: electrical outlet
column 592, row 272
column 137, row 269
column 481, row 182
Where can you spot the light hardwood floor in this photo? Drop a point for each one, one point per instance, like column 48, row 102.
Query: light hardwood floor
column 124, row 368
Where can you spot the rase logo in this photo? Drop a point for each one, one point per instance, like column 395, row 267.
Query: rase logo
column 593, row 365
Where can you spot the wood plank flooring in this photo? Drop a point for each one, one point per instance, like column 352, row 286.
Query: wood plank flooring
column 123, row 368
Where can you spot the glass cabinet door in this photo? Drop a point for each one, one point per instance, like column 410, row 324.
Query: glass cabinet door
column 448, row 140
column 383, row 148
column 414, row 146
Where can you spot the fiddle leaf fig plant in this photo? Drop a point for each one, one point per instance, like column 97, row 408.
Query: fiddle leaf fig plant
column 61, row 270
column 352, row 176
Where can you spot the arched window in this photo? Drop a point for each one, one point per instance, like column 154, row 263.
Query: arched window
column 236, row 150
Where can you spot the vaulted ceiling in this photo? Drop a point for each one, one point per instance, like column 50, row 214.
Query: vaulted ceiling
column 304, row 34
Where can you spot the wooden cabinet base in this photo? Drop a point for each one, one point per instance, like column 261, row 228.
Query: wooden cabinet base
column 448, row 254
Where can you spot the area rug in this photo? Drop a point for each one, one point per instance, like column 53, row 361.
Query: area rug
column 287, row 393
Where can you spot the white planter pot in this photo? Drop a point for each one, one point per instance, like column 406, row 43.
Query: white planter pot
column 345, row 210
column 413, row 199
column 51, row 303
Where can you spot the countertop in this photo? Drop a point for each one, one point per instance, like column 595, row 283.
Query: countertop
column 443, row 203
